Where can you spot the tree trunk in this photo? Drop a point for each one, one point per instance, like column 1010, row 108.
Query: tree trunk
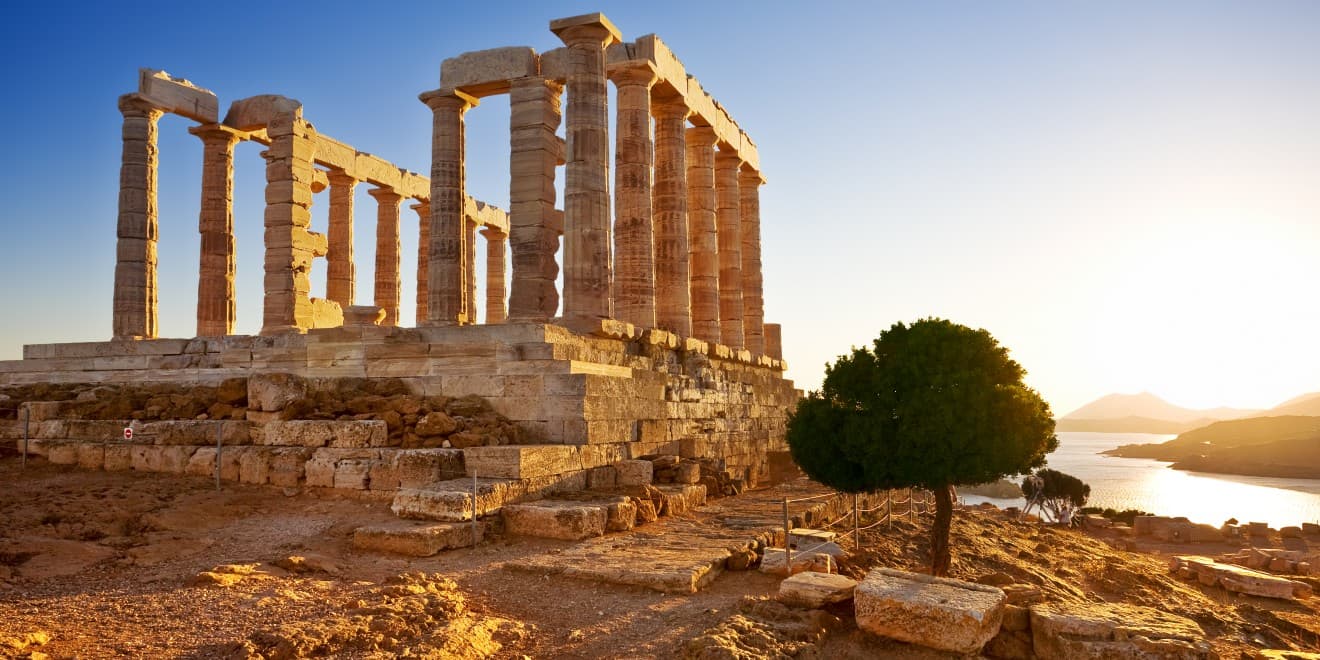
column 939, row 531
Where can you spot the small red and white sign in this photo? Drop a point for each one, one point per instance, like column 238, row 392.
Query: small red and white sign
column 128, row 433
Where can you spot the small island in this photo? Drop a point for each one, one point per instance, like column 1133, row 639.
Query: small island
column 1285, row 446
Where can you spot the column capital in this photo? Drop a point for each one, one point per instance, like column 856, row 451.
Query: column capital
column 132, row 105
column 703, row 135
column 216, row 133
column 591, row 29
column 670, row 108
column 493, row 233
column 338, row 177
column 750, row 177
column 385, row 195
column 634, row 72
column 422, row 207
column 448, row 98
column 728, row 156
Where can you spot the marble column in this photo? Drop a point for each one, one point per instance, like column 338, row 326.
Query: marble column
column 634, row 248
column 534, row 223
column 729, row 223
column 749, row 192
column 387, row 253
column 470, row 270
column 673, row 301
column 703, row 264
column 587, row 266
column 423, row 210
column 136, row 230
column 217, row 309
column 340, row 273
column 445, row 253
column 289, row 245
column 495, row 291
column 773, row 341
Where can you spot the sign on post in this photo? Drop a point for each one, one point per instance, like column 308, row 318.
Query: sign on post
column 128, row 433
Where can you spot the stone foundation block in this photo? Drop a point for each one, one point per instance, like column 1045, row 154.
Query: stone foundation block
column 633, row 473
column 569, row 521
column 940, row 613
column 1098, row 631
column 521, row 461
column 812, row 590
column 62, row 453
column 353, row 473
column 418, row 468
column 416, row 540
column 91, row 456
column 118, row 458
column 254, row 465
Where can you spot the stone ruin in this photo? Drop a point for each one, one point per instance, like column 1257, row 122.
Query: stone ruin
column 661, row 352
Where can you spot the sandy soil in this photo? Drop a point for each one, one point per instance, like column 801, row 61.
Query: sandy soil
column 107, row 565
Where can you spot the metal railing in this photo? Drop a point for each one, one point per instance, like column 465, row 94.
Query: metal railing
column 917, row 502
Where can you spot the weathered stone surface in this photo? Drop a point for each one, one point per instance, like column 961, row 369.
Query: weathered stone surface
column 1100, row 631
column 271, row 392
column 774, row 560
column 484, row 72
column 552, row 519
column 811, row 589
column 1239, row 579
column 521, row 461
column 435, row 424
column 416, row 540
column 178, row 96
column 940, row 613
column 633, row 473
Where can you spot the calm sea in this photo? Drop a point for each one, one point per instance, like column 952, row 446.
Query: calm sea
column 1137, row 483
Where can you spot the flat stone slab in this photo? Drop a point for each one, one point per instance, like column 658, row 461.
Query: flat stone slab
column 549, row 519
column 451, row 501
column 1100, row 631
column 1238, row 579
column 939, row 613
column 813, row 590
column 416, row 540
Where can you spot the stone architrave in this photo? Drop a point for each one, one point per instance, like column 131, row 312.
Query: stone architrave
column 703, row 265
column 749, row 183
column 216, row 305
column 587, row 265
column 340, row 274
column 423, row 210
column 673, row 295
column 387, row 253
column 289, row 246
column 634, row 248
column 534, row 223
column 774, row 346
column 135, row 267
column 445, row 254
column 470, row 269
column 729, row 228
column 495, row 289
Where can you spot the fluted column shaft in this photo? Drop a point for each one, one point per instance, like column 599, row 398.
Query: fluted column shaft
column 445, row 254
column 587, row 264
column 634, row 239
column 673, row 296
column 749, row 191
column 217, row 309
column 729, row 222
column 495, row 290
column 534, row 223
column 774, row 341
column 289, row 245
column 340, row 273
column 136, row 229
column 470, row 269
column 423, row 210
column 704, row 266
column 387, row 253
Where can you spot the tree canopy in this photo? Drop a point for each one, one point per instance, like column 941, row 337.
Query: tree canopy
column 1054, row 490
column 928, row 405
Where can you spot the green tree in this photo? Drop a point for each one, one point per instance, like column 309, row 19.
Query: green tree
column 1053, row 490
column 930, row 405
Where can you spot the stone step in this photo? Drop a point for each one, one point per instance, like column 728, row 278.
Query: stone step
column 417, row 539
column 537, row 461
column 570, row 520
column 451, row 500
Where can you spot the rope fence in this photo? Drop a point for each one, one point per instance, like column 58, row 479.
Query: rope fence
column 917, row 503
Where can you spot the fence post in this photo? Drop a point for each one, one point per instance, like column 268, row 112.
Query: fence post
column 912, row 506
column 857, row 534
column 889, row 508
column 219, row 437
column 26, row 415
column 788, row 549
column 474, row 510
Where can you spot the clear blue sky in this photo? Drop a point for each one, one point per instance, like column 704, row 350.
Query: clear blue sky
column 1127, row 194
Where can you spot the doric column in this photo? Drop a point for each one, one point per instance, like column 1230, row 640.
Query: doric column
column 135, row 264
column 587, row 268
column 445, row 272
column 423, row 210
column 673, row 299
column 729, row 222
column 470, row 269
column 340, row 273
column 634, row 249
column 704, row 266
column 534, row 223
column 495, row 292
column 773, row 341
column 749, row 184
column 216, row 306
column 387, row 253
column 289, row 246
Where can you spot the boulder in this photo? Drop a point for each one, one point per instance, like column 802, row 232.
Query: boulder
column 1100, row 631
column 939, row 613
column 812, row 590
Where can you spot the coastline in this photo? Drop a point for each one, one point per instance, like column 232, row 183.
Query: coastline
column 1178, row 460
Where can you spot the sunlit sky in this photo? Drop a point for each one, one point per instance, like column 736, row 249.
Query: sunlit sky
column 1126, row 194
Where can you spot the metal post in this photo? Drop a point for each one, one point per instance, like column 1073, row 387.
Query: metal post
column 219, row 437
column 474, row 510
column 27, row 414
column 857, row 539
column 788, row 549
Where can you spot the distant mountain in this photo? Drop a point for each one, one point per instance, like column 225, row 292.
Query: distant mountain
column 1306, row 405
column 1143, row 413
column 1265, row 446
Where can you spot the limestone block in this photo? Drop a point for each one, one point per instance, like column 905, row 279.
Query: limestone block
column 178, row 96
column 271, row 392
column 521, row 461
column 326, row 313
column 485, row 72
column 257, row 112
column 202, row 463
column 812, row 590
column 569, row 521
column 633, row 473
column 319, row 471
column 774, row 562
column 687, row 473
column 118, row 458
column 620, row 515
column 602, row 477
column 287, row 465
column 1096, row 631
column 254, row 466
column 192, row 432
column 679, row 499
column 40, row 411
column 352, row 474
column 91, row 456
column 940, row 613
column 418, row 468
column 383, row 475
column 63, row 453
column 416, row 540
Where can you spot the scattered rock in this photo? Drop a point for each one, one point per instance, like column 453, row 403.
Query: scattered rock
column 940, row 613
column 811, row 589
column 1099, row 631
column 996, row 579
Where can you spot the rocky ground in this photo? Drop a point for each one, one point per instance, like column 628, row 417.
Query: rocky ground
column 96, row 564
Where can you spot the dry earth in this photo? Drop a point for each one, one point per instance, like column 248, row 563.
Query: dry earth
column 96, row 564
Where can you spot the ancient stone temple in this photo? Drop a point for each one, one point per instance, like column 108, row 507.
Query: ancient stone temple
column 660, row 348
